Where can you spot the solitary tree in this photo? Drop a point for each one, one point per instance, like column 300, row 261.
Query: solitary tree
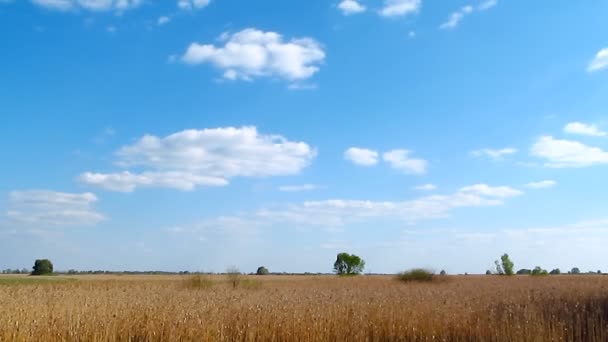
column 42, row 267
column 348, row 264
column 575, row 270
column 555, row 271
column 262, row 271
column 507, row 264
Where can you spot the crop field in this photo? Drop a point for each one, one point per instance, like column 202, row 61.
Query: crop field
column 303, row 308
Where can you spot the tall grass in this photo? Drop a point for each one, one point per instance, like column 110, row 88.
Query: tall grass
column 371, row 308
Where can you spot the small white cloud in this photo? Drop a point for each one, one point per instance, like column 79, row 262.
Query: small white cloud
column 600, row 61
column 393, row 8
column 349, row 7
column 111, row 29
column 252, row 53
column 50, row 208
column 567, row 153
column 541, row 184
column 584, row 129
column 456, row 17
column 495, row 154
column 163, row 20
column 300, row 188
column 426, row 187
column 192, row 4
column 361, row 156
column 400, row 160
column 207, row 157
column 486, row 5
column 90, row 5
column 489, row 191
column 411, row 34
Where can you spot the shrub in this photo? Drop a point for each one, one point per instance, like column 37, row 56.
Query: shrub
column 198, row 281
column 262, row 271
column 416, row 274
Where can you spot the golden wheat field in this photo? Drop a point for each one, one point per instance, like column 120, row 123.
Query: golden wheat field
column 303, row 308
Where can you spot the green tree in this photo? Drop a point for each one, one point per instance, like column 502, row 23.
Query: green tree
column 42, row 267
column 262, row 271
column 555, row 271
column 575, row 270
column 488, row 272
column 539, row 271
column 348, row 264
column 507, row 264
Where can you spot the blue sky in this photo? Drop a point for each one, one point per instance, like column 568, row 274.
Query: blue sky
column 173, row 135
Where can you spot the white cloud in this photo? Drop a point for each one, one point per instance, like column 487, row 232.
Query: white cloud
column 495, row 154
column 400, row 160
column 207, row 157
column 111, row 29
column 411, row 34
column 252, row 53
column 299, row 188
column 567, row 153
column 426, row 187
column 600, row 61
column 456, row 17
column 163, row 20
column 349, row 7
column 487, row 5
column 90, row 5
column 334, row 213
column 50, row 208
column 192, row 4
column 394, row 8
column 541, row 184
column 361, row 156
column 584, row 129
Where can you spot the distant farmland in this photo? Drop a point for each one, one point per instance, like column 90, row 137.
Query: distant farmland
column 309, row 308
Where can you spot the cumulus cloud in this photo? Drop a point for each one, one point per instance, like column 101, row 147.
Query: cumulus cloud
column 599, row 62
column 495, row 154
column 393, row 8
column 192, row 4
column 456, row 17
column 90, row 5
column 541, row 184
column 487, row 5
column 400, row 160
column 584, row 129
column 349, row 7
column 163, row 20
column 207, row 157
column 50, row 208
column 252, row 53
column 361, row 156
column 567, row 153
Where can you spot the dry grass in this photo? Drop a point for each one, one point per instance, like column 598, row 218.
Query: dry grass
column 316, row 308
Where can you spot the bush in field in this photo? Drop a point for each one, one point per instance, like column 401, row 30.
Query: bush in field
column 417, row 275
column 555, row 271
column 537, row 271
column 443, row 272
column 348, row 264
column 524, row 271
column 42, row 267
column 575, row 270
column 262, row 271
column 198, row 281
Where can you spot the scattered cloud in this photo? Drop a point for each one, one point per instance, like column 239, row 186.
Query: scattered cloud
column 163, row 20
column 251, row 53
column 334, row 213
column 567, row 153
column 456, row 17
column 425, row 187
column 541, row 184
column 394, row 8
column 599, row 62
column 361, row 156
column 207, row 157
column 300, row 188
column 192, row 4
column 411, row 34
column 400, row 160
column 49, row 208
column 111, row 29
column 90, row 5
column 495, row 154
column 349, row 7
column 486, row 5
column 584, row 129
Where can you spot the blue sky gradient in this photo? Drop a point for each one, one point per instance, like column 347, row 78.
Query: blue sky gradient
column 173, row 135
